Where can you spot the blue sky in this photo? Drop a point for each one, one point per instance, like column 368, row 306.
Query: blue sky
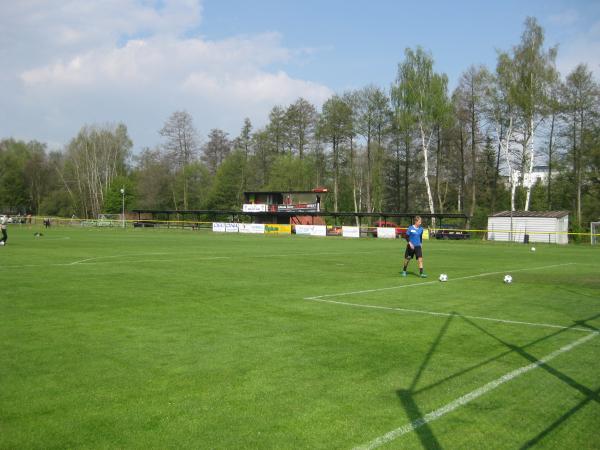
column 359, row 42
column 70, row 63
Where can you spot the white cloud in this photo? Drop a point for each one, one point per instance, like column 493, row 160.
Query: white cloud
column 124, row 60
column 260, row 88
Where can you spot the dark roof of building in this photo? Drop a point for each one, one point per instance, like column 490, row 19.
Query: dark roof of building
column 546, row 214
column 381, row 214
column 283, row 192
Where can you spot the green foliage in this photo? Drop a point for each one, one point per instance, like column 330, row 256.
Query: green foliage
column 57, row 203
column 335, row 124
column 289, row 173
column 113, row 199
column 227, row 190
column 153, row 180
column 539, row 197
column 25, row 176
column 423, row 91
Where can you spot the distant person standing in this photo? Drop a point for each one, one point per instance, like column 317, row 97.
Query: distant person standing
column 414, row 236
column 3, row 222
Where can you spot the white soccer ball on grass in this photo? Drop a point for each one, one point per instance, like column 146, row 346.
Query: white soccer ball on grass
column 533, row 249
column 443, row 277
column 507, row 279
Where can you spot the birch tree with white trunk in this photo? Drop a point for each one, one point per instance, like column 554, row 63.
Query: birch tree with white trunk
column 425, row 94
column 500, row 114
column 534, row 74
column 182, row 147
column 94, row 159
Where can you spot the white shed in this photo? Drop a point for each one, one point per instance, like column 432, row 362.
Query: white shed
column 539, row 226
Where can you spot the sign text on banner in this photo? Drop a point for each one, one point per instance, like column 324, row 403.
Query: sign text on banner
column 218, row 227
column 278, row 229
column 231, row 227
column 311, row 230
column 252, row 228
column 251, row 207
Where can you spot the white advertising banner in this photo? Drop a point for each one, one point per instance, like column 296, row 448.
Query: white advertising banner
column 252, row 228
column 303, row 230
column 251, row 207
column 351, row 232
column 311, row 230
column 319, row 230
column 231, row 227
column 218, row 227
column 386, row 233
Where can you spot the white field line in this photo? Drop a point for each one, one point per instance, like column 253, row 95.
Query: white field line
column 323, row 299
column 467, row 398
column 54, row 238
column 443, row 314
column 82, row 261
column 342, row 294
column 186, row 257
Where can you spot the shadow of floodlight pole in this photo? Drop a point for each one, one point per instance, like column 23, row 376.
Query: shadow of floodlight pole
column 589, row 394
column 576, row 323
column 407, row 396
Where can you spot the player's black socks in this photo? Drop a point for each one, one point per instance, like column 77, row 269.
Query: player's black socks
column 421, row 271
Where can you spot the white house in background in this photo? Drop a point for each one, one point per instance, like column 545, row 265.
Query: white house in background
column 539, row 226
column 539, row 173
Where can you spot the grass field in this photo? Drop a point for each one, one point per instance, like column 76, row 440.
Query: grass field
column 146, row 338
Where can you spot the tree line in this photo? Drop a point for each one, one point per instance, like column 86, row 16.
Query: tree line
column 415, row 147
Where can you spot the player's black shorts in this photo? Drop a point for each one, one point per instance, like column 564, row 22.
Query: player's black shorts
column 411, row 253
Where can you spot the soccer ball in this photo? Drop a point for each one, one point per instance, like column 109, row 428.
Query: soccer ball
column 533, row 249
column 507, row 279
column 1, row 242
column 443, row 277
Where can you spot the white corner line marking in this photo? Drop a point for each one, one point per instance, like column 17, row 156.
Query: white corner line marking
column 83, row 261
column 467, row 398
column 444, row 314
column 367, row 291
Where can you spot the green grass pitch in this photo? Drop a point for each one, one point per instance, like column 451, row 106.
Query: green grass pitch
column 144, row 338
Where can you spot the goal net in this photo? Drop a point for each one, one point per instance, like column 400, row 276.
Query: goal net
column 594, row 232
column 109, row 220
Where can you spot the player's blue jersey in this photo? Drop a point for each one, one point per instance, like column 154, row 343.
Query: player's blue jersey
column 415, row 235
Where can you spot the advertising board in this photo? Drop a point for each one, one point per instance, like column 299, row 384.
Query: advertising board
column 386, row 233
column 218, row 227
column 251, row 207
column 252, row 228
column 299, row 207
column 277, row 229
column 231, row 227
column 311, row 230
column 351, row 232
